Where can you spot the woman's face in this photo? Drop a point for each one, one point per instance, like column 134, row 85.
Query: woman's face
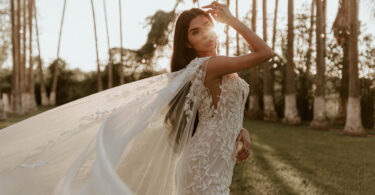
column 201, row 36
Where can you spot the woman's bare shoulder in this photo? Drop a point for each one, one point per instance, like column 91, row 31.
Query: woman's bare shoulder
column 214, row 63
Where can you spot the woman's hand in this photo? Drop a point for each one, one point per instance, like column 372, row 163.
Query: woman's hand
column 243, row 137
column 220, row 12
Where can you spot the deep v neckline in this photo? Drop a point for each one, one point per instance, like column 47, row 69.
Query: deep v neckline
column 211, row 96
column 221, row 86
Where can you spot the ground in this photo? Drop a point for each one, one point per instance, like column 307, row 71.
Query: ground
column 298, row 160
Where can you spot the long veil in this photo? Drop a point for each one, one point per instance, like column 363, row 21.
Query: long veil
column 124, row 140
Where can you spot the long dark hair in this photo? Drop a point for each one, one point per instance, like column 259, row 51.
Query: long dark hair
column 181, row 57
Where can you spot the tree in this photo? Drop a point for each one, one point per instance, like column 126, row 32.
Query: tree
column 237, row 34
column 346, row 27
column 227, row 34
column 100, row 83
column 31, row 101
column 340, row 29
column 121, row 72
column 353, row 125
column 291, row 116
column 52, row 95
column 110, row 61
column 274, row 25
column 254, row 111
column 269, row 113
column 43, row 91
column 16, row 100
column 23, row 58
column 320, row 121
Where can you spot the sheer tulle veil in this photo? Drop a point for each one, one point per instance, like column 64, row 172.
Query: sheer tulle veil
column 118, row 141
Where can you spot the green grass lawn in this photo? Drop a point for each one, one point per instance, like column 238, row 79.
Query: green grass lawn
column 14, row 119
column 297, row 160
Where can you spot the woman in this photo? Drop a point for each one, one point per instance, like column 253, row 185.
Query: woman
column 206, row 165
column 142, row 137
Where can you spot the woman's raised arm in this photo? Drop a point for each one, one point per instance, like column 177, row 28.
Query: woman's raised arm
column 221, row 65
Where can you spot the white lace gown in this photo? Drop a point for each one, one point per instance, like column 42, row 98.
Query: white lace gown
column 206, row 165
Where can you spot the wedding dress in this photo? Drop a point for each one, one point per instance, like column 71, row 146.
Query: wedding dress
column 136, row 138
column 206, row 165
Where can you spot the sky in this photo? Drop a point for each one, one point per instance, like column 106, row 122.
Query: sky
column 78, row 41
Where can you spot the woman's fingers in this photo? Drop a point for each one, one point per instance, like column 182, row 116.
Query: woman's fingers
column 208, row 6
column 243, row 155
column 210, row 11
column 212, row 5
column 244, row 152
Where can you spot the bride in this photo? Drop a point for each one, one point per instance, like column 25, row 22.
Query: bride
column 175, row 133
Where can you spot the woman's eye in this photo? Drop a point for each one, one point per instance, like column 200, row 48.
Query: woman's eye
column 195, row 32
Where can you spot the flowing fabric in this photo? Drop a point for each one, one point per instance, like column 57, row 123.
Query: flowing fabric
column 113, row 142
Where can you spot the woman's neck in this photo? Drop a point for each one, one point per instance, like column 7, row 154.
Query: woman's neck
column 206, row 54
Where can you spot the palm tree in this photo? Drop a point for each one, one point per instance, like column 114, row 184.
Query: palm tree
column 52, row 95
column 110, row 62
column 23, row 59
column 254, row 111
column 100, row 84
column 309, row 41
column 340, row 28
column 121, row 71
column 274, row 25
column 269, row 113
column 43, row 91
column 16, row 100
column 291, row 116
column 353, row 125
column 345, row 27
column 237, row 34
column 320, row 121
column 14, row 58
column 227, row 34
column 30, row 90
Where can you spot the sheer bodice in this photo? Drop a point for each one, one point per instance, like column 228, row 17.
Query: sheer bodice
column 206, row 165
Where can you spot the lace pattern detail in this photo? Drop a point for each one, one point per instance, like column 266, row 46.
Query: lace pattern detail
column 208, row 158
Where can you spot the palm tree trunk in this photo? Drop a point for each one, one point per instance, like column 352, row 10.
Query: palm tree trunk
column 237, row 34
column 269, row 113
column 274, row 25
column 340, row 28
column 254, row 111
column 121, row 71
column 30, row 90
column 353, row 125
column 100, row 84
column 52, row 95
column 17, row 99
column 291, row 116
column 110, row 62
column 43, row 91
column 344, row 88
column 227, row 33
column 320, row 121
column 23, row 60
column 16, row 107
